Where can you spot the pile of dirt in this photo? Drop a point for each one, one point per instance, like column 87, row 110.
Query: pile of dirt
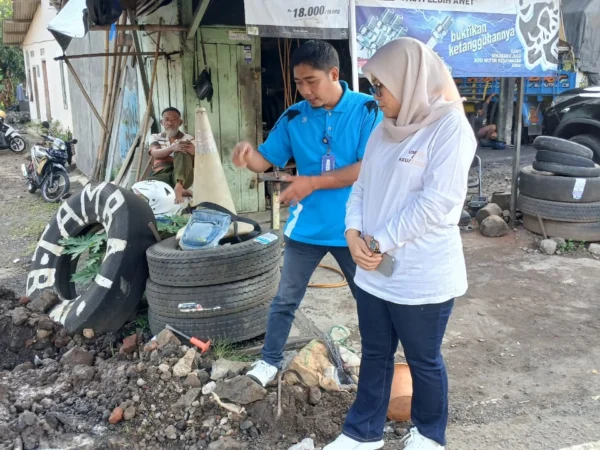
column 127, row 390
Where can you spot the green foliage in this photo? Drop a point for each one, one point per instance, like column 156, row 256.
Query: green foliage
column 175, row 224
column 95, row 246
column 56, row 129
column 11, row 58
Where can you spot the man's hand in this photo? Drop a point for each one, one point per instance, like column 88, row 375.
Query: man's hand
column 359, row 249
column 242, row 154
column 300, row 188
column 184, row 147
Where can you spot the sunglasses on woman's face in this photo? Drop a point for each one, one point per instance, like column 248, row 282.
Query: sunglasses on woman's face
column 375, row 89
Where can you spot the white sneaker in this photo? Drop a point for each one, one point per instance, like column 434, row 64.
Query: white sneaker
column 263, row 373
column 343, row 442
column 416, row 441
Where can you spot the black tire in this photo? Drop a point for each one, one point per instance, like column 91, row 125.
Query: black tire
column 545, row 186
column 562, row 212
column 567, row 171
column 114, row 295
column 563, row 158
column 50, row 193
column 588, row 232
column 236, row 327
column 214, row 301
column 564, row 146
column 17, row 144
column 590, row 141
column 170, row 266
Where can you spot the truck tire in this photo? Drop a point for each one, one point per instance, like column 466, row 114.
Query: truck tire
column 590, row 141
column 170, row 266
column 545, row 186
column 588, row 232
column 563, row 158
column 236, row 327
column 567, row 171
column 116, row 291
column 562, row 212
column 565, row 146
column 212, row 301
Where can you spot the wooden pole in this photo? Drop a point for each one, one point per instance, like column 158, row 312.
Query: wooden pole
column 141, row 27
column 517, row 155
column 85, row 94
column 148, row 108
column 108, row 53
column 142, row 69
column 106, row 46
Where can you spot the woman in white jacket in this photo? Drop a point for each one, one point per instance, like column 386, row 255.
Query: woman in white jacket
column 401, row 224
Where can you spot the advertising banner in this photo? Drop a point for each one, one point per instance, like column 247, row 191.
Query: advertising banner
column 475, row 38
column 303, row 19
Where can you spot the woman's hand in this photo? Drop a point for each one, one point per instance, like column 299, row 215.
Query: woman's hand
column 362, row 256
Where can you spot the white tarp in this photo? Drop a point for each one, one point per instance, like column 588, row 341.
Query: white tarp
column 303, row 19
column 69, row 23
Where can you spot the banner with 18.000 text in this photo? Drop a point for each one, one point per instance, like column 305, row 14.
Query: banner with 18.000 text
column 475, row 38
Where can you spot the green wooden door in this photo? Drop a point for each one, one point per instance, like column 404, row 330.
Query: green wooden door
column 235, row 113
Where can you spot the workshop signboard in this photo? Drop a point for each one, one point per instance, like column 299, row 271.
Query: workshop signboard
column 303, row 19
column 475, row 38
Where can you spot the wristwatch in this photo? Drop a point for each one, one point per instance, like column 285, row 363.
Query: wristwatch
column 374, row 246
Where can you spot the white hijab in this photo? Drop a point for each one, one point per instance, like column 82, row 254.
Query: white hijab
column 419, row 80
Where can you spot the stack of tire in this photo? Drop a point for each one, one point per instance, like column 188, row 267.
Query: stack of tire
column 562, row 188
column 220, row 293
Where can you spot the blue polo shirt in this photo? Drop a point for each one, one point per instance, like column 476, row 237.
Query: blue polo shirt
column 306, row 134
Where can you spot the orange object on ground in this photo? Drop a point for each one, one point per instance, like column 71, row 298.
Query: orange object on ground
column 203, row 346
column 401, row 396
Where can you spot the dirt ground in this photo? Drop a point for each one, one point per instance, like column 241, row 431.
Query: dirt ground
column 522, row 347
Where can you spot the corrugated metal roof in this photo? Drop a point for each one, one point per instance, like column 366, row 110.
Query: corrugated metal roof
column 15, row 30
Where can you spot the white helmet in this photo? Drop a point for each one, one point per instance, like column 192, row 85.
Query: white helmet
column 160, row 196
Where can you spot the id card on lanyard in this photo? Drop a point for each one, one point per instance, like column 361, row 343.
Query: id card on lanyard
column 327, row 160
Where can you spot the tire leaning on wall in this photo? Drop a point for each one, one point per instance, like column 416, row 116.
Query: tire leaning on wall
column 115, row 292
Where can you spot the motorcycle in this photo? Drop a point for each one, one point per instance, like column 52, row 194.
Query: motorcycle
column 47, row 171
column 12, row 139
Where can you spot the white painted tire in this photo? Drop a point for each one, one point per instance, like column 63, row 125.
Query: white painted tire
column 115, row 293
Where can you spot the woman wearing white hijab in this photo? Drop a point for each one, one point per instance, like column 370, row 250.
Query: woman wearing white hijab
column 401, row 223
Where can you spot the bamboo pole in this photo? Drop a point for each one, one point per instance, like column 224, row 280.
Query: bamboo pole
column 141, row 27
column 84, row 92
column 148, row 108
column 108, row 53
column 106, row 46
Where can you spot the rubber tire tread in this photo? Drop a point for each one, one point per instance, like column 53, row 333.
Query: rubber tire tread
column 562, row 212
column 172, row 267
column 236, row 327
column 563, row 158
column 567, row 171
column 102, row 306
column 559, row 145
column 590, row 141
column 556, row 188
column 231, row 297
column 66, row 189
column 588, row 232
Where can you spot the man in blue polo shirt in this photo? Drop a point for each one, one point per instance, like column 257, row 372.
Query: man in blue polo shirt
column 326, row 134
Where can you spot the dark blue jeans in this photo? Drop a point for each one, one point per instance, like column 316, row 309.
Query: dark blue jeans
column 420, row 329
column 299, row 262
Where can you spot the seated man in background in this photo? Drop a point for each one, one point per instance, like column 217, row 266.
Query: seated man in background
column 173, row 152
column 483, row 130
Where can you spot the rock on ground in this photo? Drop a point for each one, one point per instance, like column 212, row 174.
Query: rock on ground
column 489, row 210
column 226, row 443
column 184, row 365
column 166, row 337
column 548, row 246
column 560, row 242
column 76, row 356
column 494, row 226
column 306, row 444
column 221, row 368
column 594, row 249
column 186, row 400
column 44, row 302
column 240, row 390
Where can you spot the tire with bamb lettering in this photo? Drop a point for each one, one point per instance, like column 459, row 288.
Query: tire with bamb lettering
column 114, row 294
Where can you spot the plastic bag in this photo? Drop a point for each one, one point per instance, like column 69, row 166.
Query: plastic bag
column 205, row 229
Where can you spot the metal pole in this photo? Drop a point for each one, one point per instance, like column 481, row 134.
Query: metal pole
column 517, row 154
column 353, row 48
column 275, row 207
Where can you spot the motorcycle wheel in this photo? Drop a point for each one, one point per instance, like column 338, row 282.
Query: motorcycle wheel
column 17, row 144
column 31, row 188
column 55, row 186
